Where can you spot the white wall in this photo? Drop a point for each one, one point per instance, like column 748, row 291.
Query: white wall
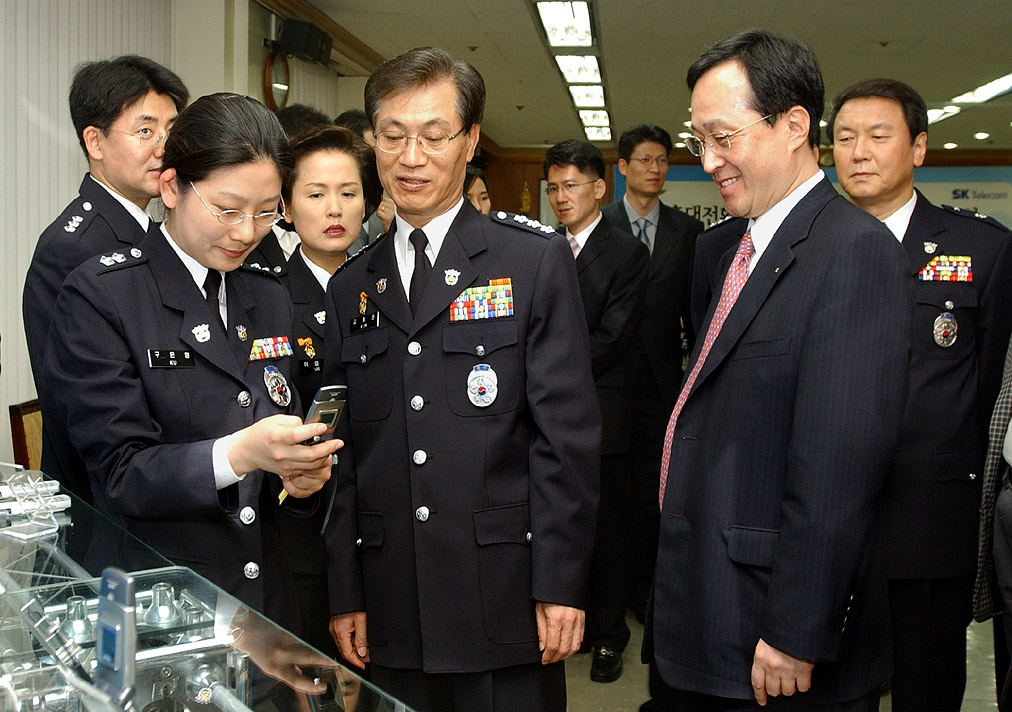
column 43, row 164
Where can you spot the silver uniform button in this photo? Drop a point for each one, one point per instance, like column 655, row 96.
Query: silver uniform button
column 277, row 269
column 251, row 570
column 244, row 399
column 86, row 205
column 358, row 542
column 479, row 350
column 419, row 457
column 414, row 348
column 950, row 305
column 529, row 537
column 422, row 514
column 973, row 476
column 417, row 403
column 247, row 515
column 363, row 358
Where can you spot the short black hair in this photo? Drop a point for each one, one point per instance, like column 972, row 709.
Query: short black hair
column 423, row 66
column 642, row 133
column 338, row 138
column 915, row 111
column 471, row 174
column 101, row 91
column 222, row 130
column 296, row 118
column 354, row 120
column 585, row 156
column 782, row 72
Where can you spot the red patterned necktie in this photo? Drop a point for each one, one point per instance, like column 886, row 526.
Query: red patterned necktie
column 733, row 283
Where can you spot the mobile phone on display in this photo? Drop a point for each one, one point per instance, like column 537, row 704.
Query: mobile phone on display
column 328, row 404
column 116, row 639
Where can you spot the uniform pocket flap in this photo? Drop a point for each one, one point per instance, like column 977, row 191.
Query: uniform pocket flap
column 370, row 529
column 509, row 524
column 946, row 296
column 367, row 344
column 763, row 348
column 479, row 337
column 751, row 546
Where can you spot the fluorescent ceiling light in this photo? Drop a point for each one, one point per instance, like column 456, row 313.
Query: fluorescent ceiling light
column 684, row 134
column 567, row 24
column 950, row 145
column 936, row 115
column 981, row 135
column 687, row 124
column 591, row 117
column 823, row 123
column 986, row 92
column 598, row 133
column 588, row 96
column 579, row 69
column 679, row 145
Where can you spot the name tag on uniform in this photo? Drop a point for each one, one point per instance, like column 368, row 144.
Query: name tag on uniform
column 313, row 365
column 170, row 358
column 366, row 321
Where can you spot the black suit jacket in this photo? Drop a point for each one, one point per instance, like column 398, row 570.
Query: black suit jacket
column 612, row 272
column 658, row 337
column 145, row 433
column 451, row 519
column 778, row 460
column 931, row 511
column 93, row 223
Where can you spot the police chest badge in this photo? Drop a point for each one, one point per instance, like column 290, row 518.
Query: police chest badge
column 482, row 385
column 944, row 329
column 277, row 386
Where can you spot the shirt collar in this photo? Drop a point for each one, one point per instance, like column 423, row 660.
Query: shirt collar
column 196, row 270
column 652, row 217
column 435, row 231
column 584, row 234
column 899, row 221
column 322, row 276
column 287, row 239
column 143, row 219
column 765, row 226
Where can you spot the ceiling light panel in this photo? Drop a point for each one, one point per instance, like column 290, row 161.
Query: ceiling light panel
column 588, row 96
column 567, row 24
column 986, row 92
column 598, row 133
column 590, row 117
column 579, row 69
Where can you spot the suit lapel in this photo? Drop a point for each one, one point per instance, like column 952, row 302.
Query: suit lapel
column 240, row 313
column 595, row 245
column 180, row 293
column 771, row 267
column 383, row 266
column 664, row 241
column 465, row 238
column 307, row 295
column 922, row 226
column 125, row 227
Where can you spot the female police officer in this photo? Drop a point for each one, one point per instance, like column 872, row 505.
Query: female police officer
column 170, row 366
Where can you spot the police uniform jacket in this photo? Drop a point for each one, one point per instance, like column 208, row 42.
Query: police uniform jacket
column 93, row 223
column 451, row 519
column 931, row 509
column 308, row 300
column 779, row 458
column 145, row 432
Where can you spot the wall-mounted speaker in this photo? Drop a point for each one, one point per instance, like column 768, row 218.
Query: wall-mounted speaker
column 306, row 41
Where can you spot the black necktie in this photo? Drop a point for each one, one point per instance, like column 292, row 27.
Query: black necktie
column 212, row 283
column 420, row 275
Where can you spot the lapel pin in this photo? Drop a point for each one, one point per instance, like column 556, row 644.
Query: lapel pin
column 930, row 247
column 451, row 276
column 321, row 317
column 202, row 332
column 381, row 285
column 241, row 331
column 363, row 302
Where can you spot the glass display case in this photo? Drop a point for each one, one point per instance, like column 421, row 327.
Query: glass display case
column 196, row 648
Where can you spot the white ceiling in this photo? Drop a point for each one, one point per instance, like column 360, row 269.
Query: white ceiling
column 941, row 48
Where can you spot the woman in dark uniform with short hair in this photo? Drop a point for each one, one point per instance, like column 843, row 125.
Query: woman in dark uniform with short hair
column 170, row 367
column 333, row 189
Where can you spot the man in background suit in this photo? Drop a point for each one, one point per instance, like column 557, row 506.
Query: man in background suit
column 611, row 266
column 657, row 352
column 961, row 268
column 776, row 452
column 122, row 109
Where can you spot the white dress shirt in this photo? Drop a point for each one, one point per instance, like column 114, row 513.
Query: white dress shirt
column 899, row 221
column 142, row 218
column 435, row 231
column 766, row 225
column 584, row 235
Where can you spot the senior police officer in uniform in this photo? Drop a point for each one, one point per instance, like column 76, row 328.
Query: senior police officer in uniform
column 463, row 525
column 961, row 268
column 122, row 109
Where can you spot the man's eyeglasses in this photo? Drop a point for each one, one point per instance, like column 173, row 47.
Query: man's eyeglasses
column 431, row 142
column 554, row 190
column 717, row 140
column 145, row 136
column 235, row 217
column 647, row 161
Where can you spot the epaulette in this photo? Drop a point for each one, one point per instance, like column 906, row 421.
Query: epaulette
column 256, row 267
column 970, row 214
column 80, row 212
column 522, row 221
column 362, row 250
column 118, row 260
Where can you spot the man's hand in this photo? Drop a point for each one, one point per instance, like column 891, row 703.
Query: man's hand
column 560, row 631
column 775, row 673
column 349, row 632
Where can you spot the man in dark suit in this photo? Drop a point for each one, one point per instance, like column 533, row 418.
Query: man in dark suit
column 122, row 109
column 611, row 267
column 657, row 353
column 461, row 535
column 961, row 269
column 776, row 452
